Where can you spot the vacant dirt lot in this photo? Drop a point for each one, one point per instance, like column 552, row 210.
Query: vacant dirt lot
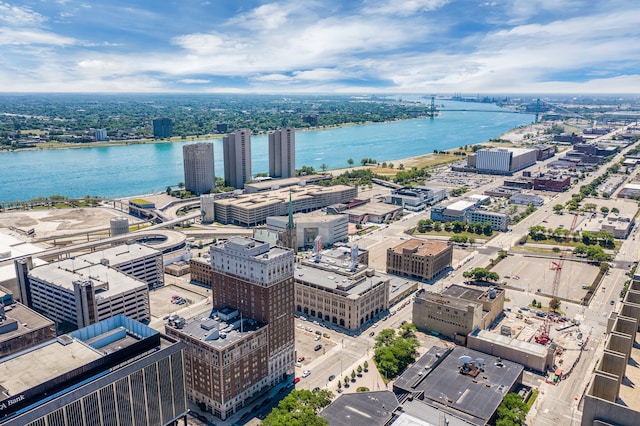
column 535, row 273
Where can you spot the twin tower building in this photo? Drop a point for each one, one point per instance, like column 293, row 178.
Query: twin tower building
column 199, row 171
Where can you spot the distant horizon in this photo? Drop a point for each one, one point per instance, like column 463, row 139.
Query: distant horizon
column 308, row 46
column 344, row 94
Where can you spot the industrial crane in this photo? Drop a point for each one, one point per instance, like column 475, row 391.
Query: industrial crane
column 543, row 336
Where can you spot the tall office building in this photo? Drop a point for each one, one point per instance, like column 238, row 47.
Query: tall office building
column 236, row 148
column 162, row 128
column 282, row 153
column 199, row 170
column 257, row 280
column 115, row 372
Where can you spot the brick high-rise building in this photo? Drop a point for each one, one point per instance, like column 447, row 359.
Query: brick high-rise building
column 258, row 281
column 252, row 290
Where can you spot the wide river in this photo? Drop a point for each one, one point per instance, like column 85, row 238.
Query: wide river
column 126, row 170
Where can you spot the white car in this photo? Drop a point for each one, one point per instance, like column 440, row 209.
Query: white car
column 306, row 373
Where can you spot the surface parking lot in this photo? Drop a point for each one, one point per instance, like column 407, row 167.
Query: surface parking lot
column 160, row 299
column 306, row 342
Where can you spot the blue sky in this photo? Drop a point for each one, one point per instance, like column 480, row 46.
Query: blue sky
column 341, row 46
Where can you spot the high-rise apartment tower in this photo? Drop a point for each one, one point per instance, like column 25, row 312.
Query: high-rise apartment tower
column 162, row 128
column 282, row 153
column 236, row 148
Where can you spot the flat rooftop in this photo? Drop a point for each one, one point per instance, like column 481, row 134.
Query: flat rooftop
column 421, row 247
column 317, row 216
column 373, row 207
column 298, row 194
column 57, row 357
column 28, row 320
column 461, row 205
column 477, row 397
column 202, row 325
column 339, row 279
column 513, row 342
column 462, row 292
column 119, row 254
column 107, row 281
column 34, row 367
column 361, row 409
column 449, row 301
column 266, row 184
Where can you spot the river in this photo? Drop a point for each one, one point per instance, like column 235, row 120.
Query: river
column 127, row 170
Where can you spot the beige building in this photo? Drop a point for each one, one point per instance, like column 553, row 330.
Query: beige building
column 419, row 259
column 335, row 289
column 253, row 209
column 458, row 310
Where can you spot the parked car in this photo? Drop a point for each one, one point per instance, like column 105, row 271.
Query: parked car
column 296, row 380
column 306, row 373
column 372, row 333
column 300, row 358
column 331, row 377
column 317, row 348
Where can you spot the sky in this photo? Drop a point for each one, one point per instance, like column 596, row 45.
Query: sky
column 320, row 46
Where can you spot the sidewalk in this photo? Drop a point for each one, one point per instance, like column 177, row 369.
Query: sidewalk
column 370, row 379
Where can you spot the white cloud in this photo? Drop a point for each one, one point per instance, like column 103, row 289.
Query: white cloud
column 34, row 36
column 17, row 16
column 403, row 7
column 194, row 81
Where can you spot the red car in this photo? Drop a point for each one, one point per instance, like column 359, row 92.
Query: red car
column 296, row 380
column 300, row 358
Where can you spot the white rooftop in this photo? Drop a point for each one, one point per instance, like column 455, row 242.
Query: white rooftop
column 107, row 281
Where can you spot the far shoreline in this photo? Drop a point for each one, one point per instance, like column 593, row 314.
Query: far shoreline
column 51, row 146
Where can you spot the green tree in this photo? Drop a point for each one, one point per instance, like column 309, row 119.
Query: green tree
column 554, row 304
column 180, row 185
column 350, row 161
column 407, row 330
column 604, row 209
column 512, row 411
column 353, row 374
column 300, row 407
column 323, row 167
column 558, row 208
column 359, row 370
column 366, row 366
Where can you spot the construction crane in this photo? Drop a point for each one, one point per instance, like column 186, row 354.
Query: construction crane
column 543, row 336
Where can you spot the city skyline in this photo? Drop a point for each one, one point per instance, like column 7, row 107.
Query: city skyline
column 382, row 46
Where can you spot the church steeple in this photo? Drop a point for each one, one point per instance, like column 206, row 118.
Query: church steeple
column 291, row 224
column 289, row 237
